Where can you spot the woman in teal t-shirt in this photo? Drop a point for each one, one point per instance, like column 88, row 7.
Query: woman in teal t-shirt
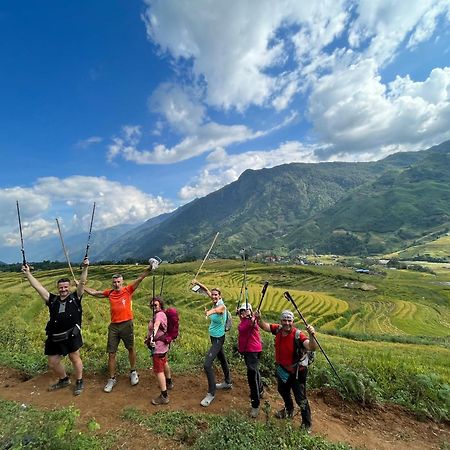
column 217, row 315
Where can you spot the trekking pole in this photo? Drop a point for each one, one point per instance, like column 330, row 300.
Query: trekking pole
column 162, row 283
column 245, row 280
column 65, row 251
column 89, row 235
column 24, row 260
column 153, row 287
column 263, row 293
column 289, row 298
column 242, row 286
column 206, row 256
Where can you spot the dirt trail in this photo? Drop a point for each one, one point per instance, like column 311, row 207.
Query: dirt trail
column 379, row 428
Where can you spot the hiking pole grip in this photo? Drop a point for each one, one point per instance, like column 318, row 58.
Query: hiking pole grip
column 288, row 296
column 24, row 261
column 89, row 236
column 263, row 293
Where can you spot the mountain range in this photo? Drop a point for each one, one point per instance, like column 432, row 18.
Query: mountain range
column 359, row 208
column 344, row 208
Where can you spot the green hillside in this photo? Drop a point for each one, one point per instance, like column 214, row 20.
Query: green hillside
column 380, row 340
column 392, row 212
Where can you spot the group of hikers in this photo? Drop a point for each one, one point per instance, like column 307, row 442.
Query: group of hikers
column 64, row 338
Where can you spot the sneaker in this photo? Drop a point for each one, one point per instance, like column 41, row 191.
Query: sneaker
column 110, row 384
column 224, row 385
column 254, row 412
column 207, row 400
column 169, row 386
column 284, row 414
column 79, row 387
column 160, row 400
column 134, row 378
column 62, row 383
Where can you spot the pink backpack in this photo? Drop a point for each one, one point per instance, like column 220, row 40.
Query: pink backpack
column 172, row 325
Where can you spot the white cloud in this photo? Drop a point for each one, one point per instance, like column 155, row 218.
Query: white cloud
column 206, row 138
column 352, row 109
column 179, row 109
column 86, row 143
column 72, row 199
column 222, row 168
column 240, row 48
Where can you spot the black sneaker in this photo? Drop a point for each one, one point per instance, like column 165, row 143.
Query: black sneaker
column 62, row 383
column 169, row 386
column 79, row 387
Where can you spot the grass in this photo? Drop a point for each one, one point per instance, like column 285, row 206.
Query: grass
column 232, row 431
column 389, row 344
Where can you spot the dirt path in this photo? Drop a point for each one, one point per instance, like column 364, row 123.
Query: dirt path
column 380, row 428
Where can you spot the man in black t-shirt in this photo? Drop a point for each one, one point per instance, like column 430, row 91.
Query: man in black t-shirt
column 64, row 327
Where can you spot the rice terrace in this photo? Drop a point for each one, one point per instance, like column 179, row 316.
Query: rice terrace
column 386, row 332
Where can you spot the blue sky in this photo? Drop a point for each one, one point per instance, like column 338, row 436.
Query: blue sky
column 142, row 106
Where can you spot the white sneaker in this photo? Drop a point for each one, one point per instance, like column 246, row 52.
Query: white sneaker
column 207, row 400
column 110, row 384
column 134, row 378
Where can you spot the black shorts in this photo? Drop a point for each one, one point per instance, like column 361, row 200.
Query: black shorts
column 63, row 348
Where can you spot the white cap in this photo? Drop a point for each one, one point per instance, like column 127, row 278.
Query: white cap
column 245, row 306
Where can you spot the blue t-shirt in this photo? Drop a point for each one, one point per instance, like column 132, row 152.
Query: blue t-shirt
column 217, row 325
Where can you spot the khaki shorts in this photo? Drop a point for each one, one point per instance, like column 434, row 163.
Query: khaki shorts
column 120, row 331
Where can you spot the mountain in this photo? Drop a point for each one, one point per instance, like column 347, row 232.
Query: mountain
column 389, row 213
column 346, row 208
column 50, row 249
column 266, row 209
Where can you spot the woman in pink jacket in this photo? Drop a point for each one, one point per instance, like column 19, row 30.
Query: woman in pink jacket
column 250, row 346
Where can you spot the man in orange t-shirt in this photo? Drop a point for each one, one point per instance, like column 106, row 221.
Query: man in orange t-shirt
column 121, row 326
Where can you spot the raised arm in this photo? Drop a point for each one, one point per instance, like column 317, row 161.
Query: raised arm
column 263, row 325
column 45, row 295
column 141, row 277
column 208, row 292
column 94, row 293
column 82, row 283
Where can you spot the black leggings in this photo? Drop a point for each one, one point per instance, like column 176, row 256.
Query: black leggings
column 216, row 350
column 298, row 386
column 253, row 376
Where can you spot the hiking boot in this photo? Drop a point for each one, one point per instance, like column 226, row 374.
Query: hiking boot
column 134, row 378
column 160, row 400
column 79, row 387
column 224, row 385
column 110, row 384
column 207, row 400
column 169, row 386
column 284, row 414
column 62, row 383
column 254, row 412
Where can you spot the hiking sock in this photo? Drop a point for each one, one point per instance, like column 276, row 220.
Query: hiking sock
column 164, row 393
column 66, row 378
column 168, row 380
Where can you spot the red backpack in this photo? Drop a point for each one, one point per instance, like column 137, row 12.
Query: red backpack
column 172, row 325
